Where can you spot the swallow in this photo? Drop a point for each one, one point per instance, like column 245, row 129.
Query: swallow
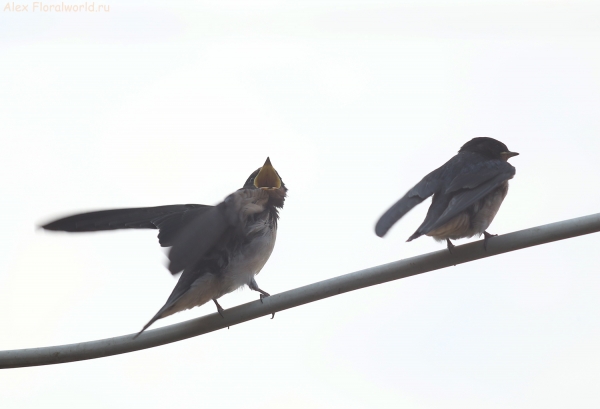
column 218, row 248
column 467, row 193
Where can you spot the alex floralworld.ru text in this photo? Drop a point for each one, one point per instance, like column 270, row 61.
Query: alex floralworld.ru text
column 38, row 6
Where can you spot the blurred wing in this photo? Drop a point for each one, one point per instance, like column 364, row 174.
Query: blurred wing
column 133, row 218
column 395, row 213
column 421, row 191
column 168, row 219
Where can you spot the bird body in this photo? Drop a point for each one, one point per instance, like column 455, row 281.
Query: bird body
column 474, row 222
column 234, row 261
column 240, row 271
column 467, row 193
column 218, row 249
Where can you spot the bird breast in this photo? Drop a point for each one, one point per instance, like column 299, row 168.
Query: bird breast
column 252, row 256
column 488, row 208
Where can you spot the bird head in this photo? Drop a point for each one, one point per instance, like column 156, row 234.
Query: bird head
column 488, row 147
column 267, row 178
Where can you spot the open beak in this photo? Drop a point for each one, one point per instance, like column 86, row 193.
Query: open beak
column 507, row 155
column 267, row 177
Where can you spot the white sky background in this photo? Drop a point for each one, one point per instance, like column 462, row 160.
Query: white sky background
column 162, row 102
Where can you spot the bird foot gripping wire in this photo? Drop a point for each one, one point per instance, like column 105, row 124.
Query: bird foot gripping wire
column 264, row 294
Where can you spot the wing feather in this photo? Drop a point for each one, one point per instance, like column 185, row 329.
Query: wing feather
column 421, row 191
column 131, row 218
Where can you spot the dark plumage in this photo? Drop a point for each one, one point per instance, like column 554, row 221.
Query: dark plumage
column 218, row 248
column 467, row 192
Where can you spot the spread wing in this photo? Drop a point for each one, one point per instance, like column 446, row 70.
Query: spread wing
column 190, row 230
column 473, row 182
column 132, row 218
column 168, row 219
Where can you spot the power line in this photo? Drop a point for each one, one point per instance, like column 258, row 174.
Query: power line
column 323, row 289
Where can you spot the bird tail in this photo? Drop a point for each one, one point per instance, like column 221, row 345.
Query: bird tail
column 415, row 235
column 156, row 317
column 146, row 326
column 143, row 329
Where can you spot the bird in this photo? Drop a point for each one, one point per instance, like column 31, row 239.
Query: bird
column 218, row 249
column 467, row 193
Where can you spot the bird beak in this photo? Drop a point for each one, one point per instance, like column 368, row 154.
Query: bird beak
column 506, row 155
column 267, row 177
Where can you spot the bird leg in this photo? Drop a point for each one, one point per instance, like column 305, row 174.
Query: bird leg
column 219, row 308
column 254, row 286
column 450, row 246
column 487, row 236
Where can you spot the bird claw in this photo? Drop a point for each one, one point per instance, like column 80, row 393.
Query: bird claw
column 265, row 294
column 486, row 237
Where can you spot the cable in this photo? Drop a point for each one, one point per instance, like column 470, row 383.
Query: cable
column 323, row 289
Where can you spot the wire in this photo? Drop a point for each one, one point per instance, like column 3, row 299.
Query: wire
column 323, row 289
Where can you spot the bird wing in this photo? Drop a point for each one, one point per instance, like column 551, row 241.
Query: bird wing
column 170, row 220
column 474, row 181
column 421, row 191
column 190, row 230
column 132, row 218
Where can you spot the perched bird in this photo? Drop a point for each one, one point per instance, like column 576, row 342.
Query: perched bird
column 219, row 248
column 467, row 193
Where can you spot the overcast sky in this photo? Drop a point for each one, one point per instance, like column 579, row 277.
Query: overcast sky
column 161, row 102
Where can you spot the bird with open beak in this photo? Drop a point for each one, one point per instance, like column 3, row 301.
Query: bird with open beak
column 467, row 193
column 218, row 248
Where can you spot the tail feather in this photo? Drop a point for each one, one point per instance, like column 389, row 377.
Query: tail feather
column 415, row 235
column 156, row 317
column 152, row 321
